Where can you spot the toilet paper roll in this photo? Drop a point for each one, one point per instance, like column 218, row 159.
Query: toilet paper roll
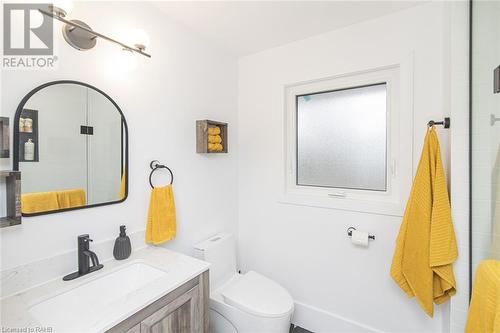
column 359, row 238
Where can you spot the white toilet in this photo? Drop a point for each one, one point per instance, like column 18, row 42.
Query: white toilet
column 244, row 303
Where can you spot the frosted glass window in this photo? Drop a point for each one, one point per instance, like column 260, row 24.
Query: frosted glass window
column 342, row 138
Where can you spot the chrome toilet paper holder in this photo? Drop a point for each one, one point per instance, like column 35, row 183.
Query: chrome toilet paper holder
column 349, row 233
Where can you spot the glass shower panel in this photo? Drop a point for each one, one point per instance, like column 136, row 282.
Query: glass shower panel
column 485, row 149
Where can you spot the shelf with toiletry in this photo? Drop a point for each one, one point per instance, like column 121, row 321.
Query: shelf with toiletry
column 28, row 136
column 211, row 137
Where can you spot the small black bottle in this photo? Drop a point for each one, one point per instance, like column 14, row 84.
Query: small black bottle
column 122, row 247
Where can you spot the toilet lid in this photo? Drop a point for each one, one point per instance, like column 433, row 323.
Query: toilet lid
column 258, row 295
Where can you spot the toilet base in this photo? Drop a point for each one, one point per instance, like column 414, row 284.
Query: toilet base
column 227, row 319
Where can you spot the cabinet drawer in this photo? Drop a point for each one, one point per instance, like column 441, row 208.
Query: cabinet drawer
column 182, row 315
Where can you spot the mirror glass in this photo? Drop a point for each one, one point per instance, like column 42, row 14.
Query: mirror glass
column 70, row 144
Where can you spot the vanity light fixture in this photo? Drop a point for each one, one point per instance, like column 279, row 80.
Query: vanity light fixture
column 81, row 36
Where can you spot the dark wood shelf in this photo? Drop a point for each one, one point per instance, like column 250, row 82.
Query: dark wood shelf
column 202, row 136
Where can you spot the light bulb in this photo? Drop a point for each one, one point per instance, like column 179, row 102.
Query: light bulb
column 138, row 38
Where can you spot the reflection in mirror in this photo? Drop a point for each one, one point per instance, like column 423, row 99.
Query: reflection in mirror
column 71, row 147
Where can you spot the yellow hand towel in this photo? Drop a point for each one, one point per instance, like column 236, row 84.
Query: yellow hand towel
column 426, row 245
column 214, row 130
column 39, row 202
column 71, row 198
column 484, row 310
column 214, row 139
column 161, row 224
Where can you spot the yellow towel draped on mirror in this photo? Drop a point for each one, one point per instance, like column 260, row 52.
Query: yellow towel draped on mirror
column 71, row 198
column 161, row 224
column 46, row 201
column 484, row 310
column 426, row 246
column 39, row 202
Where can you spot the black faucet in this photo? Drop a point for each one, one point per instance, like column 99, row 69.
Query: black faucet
column 84, row 258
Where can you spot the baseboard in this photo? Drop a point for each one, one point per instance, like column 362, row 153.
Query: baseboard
column 321, row 321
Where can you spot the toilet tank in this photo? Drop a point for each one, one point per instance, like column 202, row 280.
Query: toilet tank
column 220, row 252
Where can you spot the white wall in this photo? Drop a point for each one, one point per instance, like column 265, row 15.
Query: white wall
column 459, row 146
column 186, row 79
column 337, row 287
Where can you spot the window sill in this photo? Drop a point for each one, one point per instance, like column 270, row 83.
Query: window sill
column 379, row 207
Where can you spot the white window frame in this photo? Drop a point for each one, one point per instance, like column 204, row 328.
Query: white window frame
column 398, row 79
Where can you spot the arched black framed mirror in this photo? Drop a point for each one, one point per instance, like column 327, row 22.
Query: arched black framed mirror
column 71, row 146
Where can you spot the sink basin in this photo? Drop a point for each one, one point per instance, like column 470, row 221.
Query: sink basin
column 90, row 303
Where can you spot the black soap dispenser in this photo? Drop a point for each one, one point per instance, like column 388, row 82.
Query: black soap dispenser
column 122, row 247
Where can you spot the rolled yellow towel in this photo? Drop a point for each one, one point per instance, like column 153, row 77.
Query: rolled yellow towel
column 214, row 139
column 214, row 130
column 215, row 147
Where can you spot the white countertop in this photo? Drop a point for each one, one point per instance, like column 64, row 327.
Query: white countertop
column 15, row 309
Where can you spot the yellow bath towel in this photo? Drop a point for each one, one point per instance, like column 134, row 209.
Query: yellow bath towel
column 484, row 310
column 214, row 139
column 213, row 130
column 39, row 202
column 161, row 224
column 426, row 245
column 71, row 198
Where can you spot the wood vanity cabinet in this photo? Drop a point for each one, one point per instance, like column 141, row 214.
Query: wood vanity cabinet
column 184, row 310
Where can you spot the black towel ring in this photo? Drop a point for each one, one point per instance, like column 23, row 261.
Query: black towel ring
column 155, row 165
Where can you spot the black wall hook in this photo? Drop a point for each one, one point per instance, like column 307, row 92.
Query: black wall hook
column 155, row 165
column 446, row 122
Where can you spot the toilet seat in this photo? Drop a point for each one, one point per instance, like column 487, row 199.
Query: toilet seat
column 255, row 294
column 242, row 303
